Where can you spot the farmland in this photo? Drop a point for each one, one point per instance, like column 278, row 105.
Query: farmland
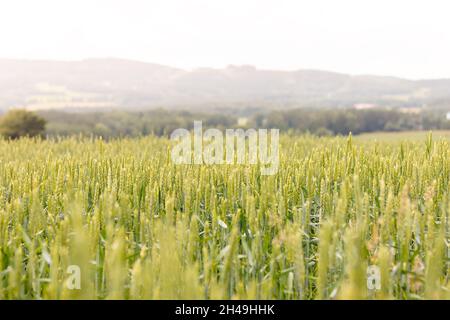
column 139, row 227
column 402, row 136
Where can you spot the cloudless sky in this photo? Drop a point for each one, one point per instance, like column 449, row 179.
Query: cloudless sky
column 407, row 38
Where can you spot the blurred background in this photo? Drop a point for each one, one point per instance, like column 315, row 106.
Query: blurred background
column 130, row 68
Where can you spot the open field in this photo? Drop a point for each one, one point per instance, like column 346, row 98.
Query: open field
column 402, row 136
column 140, row 227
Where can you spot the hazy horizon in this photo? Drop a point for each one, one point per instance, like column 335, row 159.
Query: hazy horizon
column 229, row 65
column 406, row 39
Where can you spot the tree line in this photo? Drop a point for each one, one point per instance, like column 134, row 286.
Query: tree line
column 344, row 121
column 161, row 122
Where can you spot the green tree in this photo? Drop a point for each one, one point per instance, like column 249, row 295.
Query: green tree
column 21, row 123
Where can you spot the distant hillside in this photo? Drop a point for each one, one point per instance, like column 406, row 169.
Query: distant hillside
column 121, row 84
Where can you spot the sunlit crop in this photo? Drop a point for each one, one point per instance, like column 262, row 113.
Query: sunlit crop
column 140, row 227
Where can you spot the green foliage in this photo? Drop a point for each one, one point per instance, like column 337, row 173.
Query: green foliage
column 115, row 124
column 321, row 122
column 140, row 227
column 344, row 121
column 21, row 123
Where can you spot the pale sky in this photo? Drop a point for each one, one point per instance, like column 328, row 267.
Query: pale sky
column 406, row 38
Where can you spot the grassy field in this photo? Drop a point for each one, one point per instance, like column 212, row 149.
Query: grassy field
column 139, row 227
column 402, row 136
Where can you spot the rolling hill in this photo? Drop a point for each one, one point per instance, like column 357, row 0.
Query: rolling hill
column 121, row 84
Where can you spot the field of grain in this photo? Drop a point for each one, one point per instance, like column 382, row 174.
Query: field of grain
column 401, row 136
column 140, row 227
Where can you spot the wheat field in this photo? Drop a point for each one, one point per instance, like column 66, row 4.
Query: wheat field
column 140, row 227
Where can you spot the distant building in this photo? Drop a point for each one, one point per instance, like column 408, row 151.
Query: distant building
column 242, row 122
column 364, row 106
column 411, row 110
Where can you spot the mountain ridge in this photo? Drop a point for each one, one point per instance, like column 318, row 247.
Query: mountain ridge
column 128, row 84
